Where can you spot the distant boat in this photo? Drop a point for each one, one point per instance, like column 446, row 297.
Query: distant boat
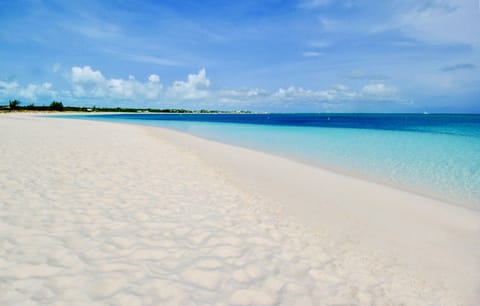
column 426, row 113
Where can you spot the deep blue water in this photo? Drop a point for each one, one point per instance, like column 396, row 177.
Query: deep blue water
column 468, row 125
column 438, row 155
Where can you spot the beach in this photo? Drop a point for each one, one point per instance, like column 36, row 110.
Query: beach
column 113, row 214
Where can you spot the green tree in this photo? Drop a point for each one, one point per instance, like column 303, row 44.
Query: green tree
column 13, row 104
column 56, row 106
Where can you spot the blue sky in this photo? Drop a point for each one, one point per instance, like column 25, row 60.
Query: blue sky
column 272, row 55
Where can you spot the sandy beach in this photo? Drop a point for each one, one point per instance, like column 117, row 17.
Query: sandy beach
column 95, row 213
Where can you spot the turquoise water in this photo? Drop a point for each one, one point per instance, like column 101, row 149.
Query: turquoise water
column 437, row 156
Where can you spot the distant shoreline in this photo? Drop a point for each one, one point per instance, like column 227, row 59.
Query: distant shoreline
column 59, row 107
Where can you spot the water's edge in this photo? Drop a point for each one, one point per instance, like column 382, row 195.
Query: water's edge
column 332, row 167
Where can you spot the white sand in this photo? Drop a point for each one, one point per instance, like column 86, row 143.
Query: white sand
column 99, row 213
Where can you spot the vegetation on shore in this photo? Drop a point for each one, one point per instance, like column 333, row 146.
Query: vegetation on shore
column 15, row 105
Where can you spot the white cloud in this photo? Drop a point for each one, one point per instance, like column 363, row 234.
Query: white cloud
column 249, row 93
column 153, row 78
column 195, row 87
column 304, row 94
column 86, row 74
column 194, row 92
column 336, row 98
column 30, row 93
column 87, row 82
column 7, row 87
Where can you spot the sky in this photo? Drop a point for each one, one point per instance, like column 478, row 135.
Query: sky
column 271, row 55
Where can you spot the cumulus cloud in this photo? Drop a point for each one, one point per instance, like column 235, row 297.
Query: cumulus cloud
column 195, row 87
column 7, row 87
column 89, row 83
column 304, row 94
column 334, row 98
column 31, row 92
column 248, row 93
column 153, row 78
column 86, row 75
column 195, row 91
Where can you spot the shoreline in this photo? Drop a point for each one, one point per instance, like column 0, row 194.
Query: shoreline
column 377, row 180
column 454, row 201
column 372, row 233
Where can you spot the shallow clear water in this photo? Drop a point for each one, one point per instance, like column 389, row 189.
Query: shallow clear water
column 438, row 155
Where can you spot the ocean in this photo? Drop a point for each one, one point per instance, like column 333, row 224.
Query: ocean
column 437, row 155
